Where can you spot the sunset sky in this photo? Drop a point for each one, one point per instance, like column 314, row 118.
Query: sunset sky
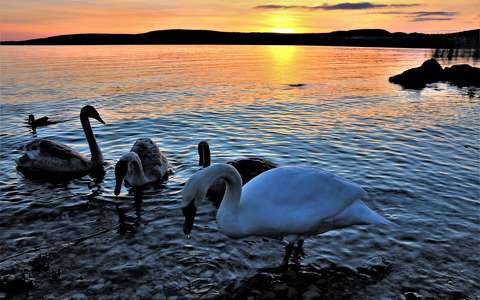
column 32, row 18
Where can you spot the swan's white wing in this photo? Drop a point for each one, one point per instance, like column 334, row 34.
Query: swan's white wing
column 289, row 200
column 154, row 163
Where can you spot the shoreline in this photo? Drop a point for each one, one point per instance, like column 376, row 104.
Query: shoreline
column 353, row 38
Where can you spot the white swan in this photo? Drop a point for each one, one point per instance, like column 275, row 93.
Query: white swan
column 291, row 202
column 248, row 167
column 44, row 156
column 144, row 164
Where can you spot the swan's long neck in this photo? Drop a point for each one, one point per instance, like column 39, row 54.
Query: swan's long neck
column 136, row 174
column 96, row 154
column 233, row 191
column 227, row 215
column 204, row 154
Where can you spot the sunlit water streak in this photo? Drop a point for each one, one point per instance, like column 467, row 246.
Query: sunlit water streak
column 415, row 152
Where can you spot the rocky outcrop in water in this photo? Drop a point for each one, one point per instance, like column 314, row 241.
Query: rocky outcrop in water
column 462, row 75
column 431, row 71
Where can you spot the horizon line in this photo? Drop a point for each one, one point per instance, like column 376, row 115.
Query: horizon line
column 251, row 32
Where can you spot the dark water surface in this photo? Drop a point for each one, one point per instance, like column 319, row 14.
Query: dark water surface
column 415, row 152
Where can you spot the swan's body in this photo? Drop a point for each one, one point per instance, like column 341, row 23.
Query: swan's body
column 144, row 164
column 291, row 202
column 248, row 167
column 43, row 156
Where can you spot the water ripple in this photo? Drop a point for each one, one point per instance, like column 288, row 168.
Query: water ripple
column 416, row 153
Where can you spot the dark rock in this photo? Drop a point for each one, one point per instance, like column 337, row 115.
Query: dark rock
column 412, row 296
column 312, row 292
column 40, row 263
column 268, row 296
column 78, row 296
column 15, row 284
column 280, row 288
column 289, row 275
column 456, row 295
column 416, row 78
column 292, row 293
column 462, row 75
column 431, row 71
column 309, row 282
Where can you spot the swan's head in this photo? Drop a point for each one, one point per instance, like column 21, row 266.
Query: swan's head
column 193, row 193
column 89, row 111
column 31, row 119
column 124, row 164
column 203, row 154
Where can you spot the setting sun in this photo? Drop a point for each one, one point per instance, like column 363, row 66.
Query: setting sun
column 282, row 23
column 283, row 30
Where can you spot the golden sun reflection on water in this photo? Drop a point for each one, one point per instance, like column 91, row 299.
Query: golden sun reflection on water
column 283, row 63
column 148, row 81
column 282, row 54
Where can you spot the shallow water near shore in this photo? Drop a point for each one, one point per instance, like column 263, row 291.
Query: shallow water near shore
column 416, row 152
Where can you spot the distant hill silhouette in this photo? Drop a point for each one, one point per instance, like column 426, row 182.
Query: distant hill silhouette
column 362, row 37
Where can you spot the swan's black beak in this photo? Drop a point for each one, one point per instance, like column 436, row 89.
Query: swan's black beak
column 99, row 119
column 118, row 187
column 120, row 172
column 189, row 212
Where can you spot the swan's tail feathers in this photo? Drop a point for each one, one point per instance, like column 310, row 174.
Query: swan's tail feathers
column 379, row 220
column 358, row 213
column 370, row 217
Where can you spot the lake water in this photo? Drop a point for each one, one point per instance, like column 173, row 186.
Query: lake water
column 415, row 152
